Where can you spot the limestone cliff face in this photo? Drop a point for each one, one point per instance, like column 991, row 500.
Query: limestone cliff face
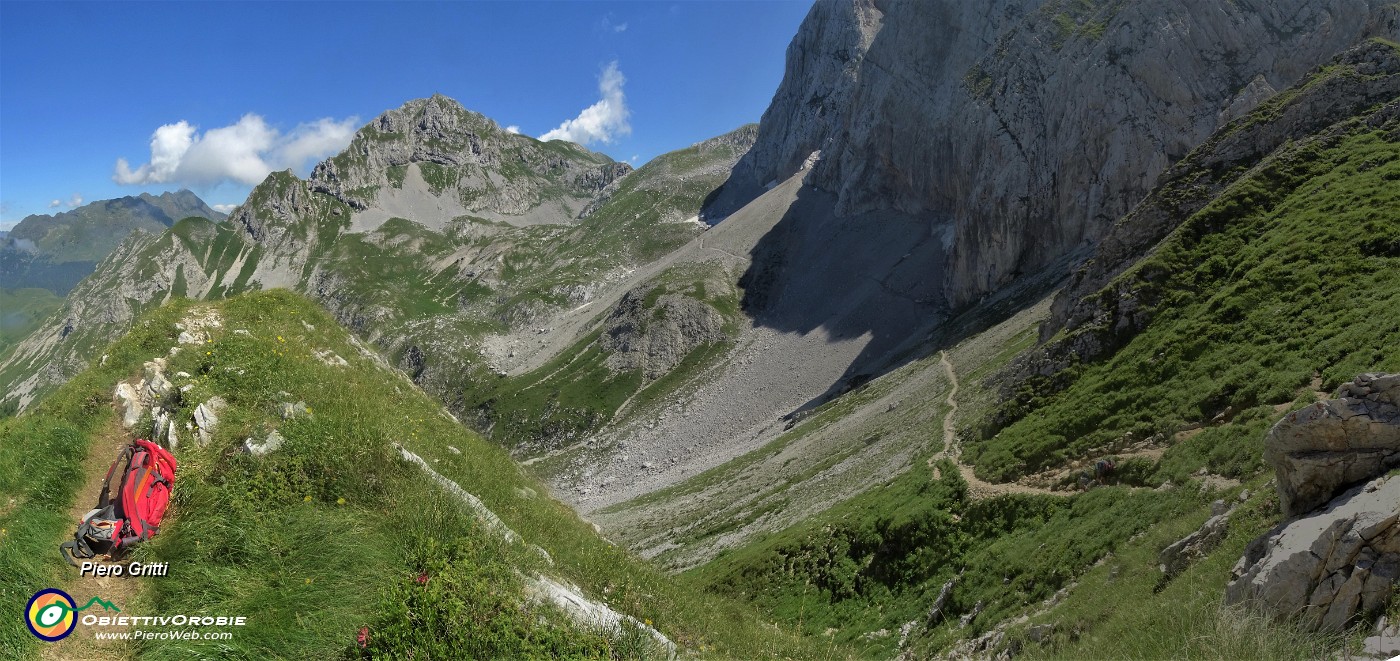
column 1029, row 125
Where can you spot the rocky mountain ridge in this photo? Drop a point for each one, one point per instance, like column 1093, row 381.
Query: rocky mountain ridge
column 1094, row 315
column 467, row 164
column 497, row 203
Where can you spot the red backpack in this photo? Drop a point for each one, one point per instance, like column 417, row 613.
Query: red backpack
column 142, row 497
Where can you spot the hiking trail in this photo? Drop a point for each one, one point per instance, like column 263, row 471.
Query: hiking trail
column 977, row 488
column 122, row 591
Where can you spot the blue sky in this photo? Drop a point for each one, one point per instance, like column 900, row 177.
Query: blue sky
column 240, row 87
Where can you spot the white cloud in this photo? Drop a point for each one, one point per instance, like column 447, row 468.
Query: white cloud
column 223, row 208
column 602, row 121
column 75, row 201
column 606, row 24
column 512, row 129
column 244, row 152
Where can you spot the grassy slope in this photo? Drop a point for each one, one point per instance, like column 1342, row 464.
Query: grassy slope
column 877, row 561
column 1294, row 271
column 329, row 533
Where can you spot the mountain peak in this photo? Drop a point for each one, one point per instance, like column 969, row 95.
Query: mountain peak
column 465, row 162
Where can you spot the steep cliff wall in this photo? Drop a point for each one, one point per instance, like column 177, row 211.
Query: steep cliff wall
column 1029, row 125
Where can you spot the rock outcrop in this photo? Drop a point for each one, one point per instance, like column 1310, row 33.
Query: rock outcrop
column 655, row 336
column 1181, row 553
column 1327, row 567
column 1027, row 126
column 1327, row 446
column 1343, row 560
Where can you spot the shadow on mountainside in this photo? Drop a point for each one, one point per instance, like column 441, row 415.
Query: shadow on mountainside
column 872, row 277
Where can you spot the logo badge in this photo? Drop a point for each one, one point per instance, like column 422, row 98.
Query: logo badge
column 51, row 614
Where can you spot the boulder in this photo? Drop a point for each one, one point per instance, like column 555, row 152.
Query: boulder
column 271, row 444
column 1329, row 566
column 1385, row 644
column 130, row 403
column 1320, row 450
column 1175, row 558
column 206, row 417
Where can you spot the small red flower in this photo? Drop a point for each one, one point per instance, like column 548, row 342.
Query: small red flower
column 363, row 637
column 422, row 578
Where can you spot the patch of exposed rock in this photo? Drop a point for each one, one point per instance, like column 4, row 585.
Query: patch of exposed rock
column 1328, row 567
column 1327, row 446
column 656, row 337
column 1181, row 553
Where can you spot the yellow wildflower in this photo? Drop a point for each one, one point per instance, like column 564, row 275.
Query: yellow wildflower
column 340, row 501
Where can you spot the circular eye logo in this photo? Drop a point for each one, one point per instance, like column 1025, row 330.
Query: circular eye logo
column 51, row 614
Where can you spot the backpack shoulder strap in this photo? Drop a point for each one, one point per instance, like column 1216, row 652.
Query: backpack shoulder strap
column 105, row 497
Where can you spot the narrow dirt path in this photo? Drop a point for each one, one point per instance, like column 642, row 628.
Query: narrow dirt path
column 120, row 590
column 977, row 488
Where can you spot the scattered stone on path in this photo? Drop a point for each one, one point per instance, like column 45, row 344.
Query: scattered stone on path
column 206, row 418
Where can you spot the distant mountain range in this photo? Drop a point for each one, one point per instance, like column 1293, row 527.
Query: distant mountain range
column 44, row 256
column 55, row 251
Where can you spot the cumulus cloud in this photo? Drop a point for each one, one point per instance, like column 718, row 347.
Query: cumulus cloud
column 244, row 152
column 76, row 200
column 606, row 24
column 512, row 129
column 223, row 208
column 602, row 121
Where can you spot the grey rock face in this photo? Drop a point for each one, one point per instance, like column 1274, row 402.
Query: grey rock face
column 1030, row 125
column 1327, row 567
column 1329, row 445
column 657, row 338
column 1364, row 76
column 1102, row 308
column 1175, row 558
